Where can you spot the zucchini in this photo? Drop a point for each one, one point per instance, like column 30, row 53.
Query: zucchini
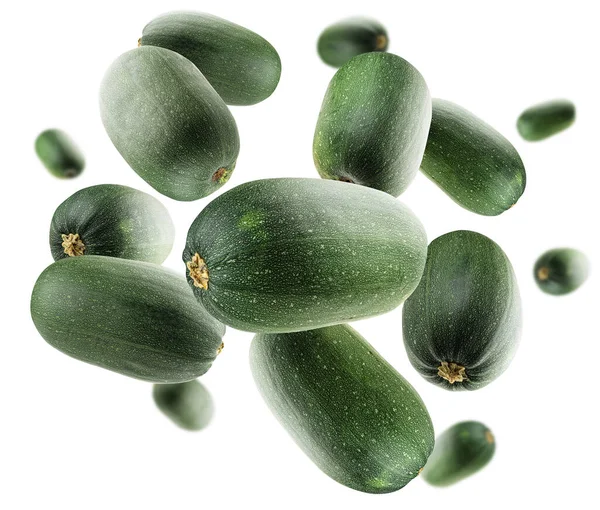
column 546, row 119
column 471, row 162
column 168, row 123
column 188, row 405
column 279, row 255
column 459, row 452
column 112, row 220
column 373, row 124
column 241, row 66
column 561, row 271
column 59, row 154
column 134, row 318
column 347, row 38
column 462, row 324
column 349, row 410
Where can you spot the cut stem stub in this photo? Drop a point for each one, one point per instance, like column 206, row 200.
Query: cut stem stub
column 198, row 271
column 72, row 244
column 452, row 372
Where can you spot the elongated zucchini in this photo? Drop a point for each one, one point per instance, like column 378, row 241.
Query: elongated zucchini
column 561, row 271
column 188, row 404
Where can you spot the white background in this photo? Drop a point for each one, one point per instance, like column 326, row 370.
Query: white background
column 75, row 436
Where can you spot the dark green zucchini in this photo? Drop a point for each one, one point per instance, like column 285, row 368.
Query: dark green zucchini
column 59, row 154
column 459, row 452
column 280, row 255
column 349, row 410
column 189, row 404
column 471, row 162
column 241, row 66
column 561, row 270
column 546, row 119
column 168, row 123
column 347, row 38
column 373, row 124
column 131, row 317
column 112, row 220
column 462, row 324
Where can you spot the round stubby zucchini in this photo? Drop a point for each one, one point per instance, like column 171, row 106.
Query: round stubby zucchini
column 462, row 324
column 131, row 317
column 240, row 65
column 373, row 124
column 279, row 255
column 471, row 162
column 59, row 154
column 189, row 404
column 112, row 220
column 546, row 119
column 347, row 38
column 168, row 123
column 459, row 452
column 356, row 418
column 561, row 271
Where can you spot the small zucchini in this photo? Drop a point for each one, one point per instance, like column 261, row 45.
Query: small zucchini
column 561, row 271
column 59, row 154
column 546, row 119
column 188, row 404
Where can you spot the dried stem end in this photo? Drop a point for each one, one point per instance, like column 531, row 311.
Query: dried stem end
column 220, row 348
column 489, row 437
column 452, row 372
column 543, row 273
column 72, row 244
column 380, row 42
column 198, row 271
column 221, row 175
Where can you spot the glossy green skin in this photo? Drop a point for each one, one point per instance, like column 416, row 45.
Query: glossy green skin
column 466, row 310
column 345, row 39
column 134, row 318
column 373, row 124
column 459, row 452
column 115, row 221
column 189, row 404
column 471, row 162
column 241, row 66
column 59, row 154
column 349, row 410
column 546, row 119
column 168, row 123
column 561, row 271
column 296, row 254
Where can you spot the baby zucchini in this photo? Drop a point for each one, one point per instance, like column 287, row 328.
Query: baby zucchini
column 59, row 154
column 561, row 270
column 546, row 119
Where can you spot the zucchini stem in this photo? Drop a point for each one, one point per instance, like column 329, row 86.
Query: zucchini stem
column 198, row 271
column 72, row 244
column 452, row 372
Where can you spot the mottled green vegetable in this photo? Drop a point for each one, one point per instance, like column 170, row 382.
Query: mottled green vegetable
column 373, row 124
column 59, row 154
column 189, row 404
column 546, row 119
column 561, row 270
column 472, row 162
column 459, row 452
column 347, row 38
column 112, row 220
column 357, row 418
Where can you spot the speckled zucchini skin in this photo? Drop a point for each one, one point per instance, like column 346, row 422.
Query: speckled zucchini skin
column 188, row 405
column 459, row 452
column 561, row 271
column 546, row 119
column 472, row 162
column 241, row 66
column 465, row 311
column 134, row 318
column 115, row 221
column 347, row 38
column 373, row 124
column 295, row 254
column 59, row 154
column 357, row 418
column 168, row 123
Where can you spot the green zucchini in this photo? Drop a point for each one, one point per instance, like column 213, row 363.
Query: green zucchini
column 459, row 452
column 349, row 410
column 168, row 123
column 546, row 119
column 462, row 324
column 279, row 255
column 112, row 220
column 373, row 124
column 241, row 66
column 561, row 271
column 134, row 318
column 471, row 162
column 347, row 38
column 59, row 154
column 189, row 404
